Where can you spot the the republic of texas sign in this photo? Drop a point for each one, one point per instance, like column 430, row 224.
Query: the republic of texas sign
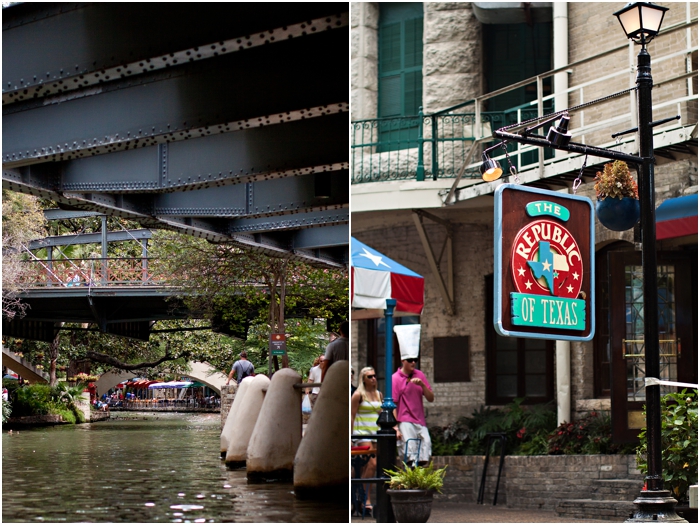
column 543, row 264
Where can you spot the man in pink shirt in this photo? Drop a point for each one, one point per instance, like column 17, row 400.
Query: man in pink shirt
column 408, row 387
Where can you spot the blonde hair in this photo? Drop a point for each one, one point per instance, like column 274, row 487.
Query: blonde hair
column 361, row 382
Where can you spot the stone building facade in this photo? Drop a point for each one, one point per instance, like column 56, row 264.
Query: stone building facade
column 454, row 70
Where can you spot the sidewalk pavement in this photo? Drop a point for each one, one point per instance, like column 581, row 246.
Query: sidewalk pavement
column 447, row 512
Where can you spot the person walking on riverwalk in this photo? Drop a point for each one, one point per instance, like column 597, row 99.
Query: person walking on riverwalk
column 338, row 349
column 242, row 368
column 315, row 377
column 409, row 386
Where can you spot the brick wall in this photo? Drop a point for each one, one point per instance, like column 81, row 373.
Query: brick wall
column 593, row 29
column 532, row 482
column 473, row 259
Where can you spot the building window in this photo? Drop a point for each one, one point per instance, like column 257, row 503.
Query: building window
column 451, row 359
column 516, row 367
column 514, row 52
column 400, row 74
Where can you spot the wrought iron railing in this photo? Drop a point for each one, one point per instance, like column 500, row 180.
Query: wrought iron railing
column 439, row 145
column 95, row 272
column 432, row 146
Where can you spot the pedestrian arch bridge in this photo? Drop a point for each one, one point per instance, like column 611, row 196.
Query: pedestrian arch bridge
column 199, row 371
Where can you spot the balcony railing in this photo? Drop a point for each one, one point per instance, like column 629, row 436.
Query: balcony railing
column 94, row 272
column 447, row 144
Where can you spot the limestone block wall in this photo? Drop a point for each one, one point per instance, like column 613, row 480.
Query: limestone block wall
column 452, row 55
column 364, row 18
column 532, row 482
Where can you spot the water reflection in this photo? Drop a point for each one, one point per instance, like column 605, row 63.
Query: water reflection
column 143, row 468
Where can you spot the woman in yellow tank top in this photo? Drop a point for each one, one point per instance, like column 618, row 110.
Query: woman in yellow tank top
column 366, row 404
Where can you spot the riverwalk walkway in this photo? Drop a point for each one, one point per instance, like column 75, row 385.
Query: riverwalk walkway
column 449, row 512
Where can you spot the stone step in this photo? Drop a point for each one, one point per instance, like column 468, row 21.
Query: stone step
column 595, row 509
column 616, row 489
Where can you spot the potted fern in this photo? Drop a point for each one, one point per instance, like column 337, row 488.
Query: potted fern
column 617, row 207
column 411, row 491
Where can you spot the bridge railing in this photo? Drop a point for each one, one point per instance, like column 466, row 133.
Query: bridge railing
column 95, row 272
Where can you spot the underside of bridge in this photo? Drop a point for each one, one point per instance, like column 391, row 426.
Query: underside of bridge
column 226, row 121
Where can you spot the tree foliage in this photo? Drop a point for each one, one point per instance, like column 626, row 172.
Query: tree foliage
column 679, row 443
column 22, row 221
column 225, row 286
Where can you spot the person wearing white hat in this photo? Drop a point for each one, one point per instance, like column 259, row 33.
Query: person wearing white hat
column 409, row 387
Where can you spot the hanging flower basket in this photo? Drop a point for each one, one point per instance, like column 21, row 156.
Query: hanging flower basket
column 617, row 214
column 618, row 198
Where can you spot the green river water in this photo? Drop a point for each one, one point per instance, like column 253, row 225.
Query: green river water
column 140, row 467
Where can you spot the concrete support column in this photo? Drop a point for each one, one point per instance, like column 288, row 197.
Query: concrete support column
column 563, row 359
column 560, row 39
column 277, row 433
column 321, row 464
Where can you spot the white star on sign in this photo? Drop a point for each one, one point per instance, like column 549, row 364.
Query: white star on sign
column 545, row 266
column 521, row 271
column 569, row 288
column 528, row 284
column 575, row 274
column 376, row 259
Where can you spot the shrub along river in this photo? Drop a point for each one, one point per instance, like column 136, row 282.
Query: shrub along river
column 140, row 467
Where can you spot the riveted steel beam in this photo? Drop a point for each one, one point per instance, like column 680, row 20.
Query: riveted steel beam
column 231, row 91
column 290, row 222
column 263, row 153
column 113, row 41
column 89, row 238
column 223, row 121
column 54, row 214
column 314, row 238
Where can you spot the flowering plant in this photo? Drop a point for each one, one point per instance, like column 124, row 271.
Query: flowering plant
column 615, row 181
column 82, row 377
column 591, row 434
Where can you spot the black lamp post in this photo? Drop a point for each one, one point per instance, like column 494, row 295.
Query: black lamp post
column 641, row 22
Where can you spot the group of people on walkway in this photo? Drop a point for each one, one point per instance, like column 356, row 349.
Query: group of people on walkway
column 337, row 350
column 408, row 387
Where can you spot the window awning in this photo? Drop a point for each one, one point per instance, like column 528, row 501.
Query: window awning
column 677, row 217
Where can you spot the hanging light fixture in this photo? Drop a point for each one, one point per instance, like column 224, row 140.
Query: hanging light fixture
column 559, row 136
column 490, row 169
column 641, row 21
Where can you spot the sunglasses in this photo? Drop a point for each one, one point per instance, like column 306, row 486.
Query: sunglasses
column 371, row 376
column 412, row 360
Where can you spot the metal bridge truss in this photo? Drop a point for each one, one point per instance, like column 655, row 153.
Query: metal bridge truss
column 226, row 121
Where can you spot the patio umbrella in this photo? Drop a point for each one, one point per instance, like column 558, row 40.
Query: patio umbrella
column 376, row 278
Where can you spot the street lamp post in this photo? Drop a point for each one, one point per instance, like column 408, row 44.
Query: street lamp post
column 641, row 22
column 386, row 448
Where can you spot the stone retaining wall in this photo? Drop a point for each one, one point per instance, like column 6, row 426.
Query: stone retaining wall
column 228, row 393
column 532, row 482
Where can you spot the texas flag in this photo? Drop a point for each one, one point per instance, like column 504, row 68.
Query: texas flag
column 376, row 278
